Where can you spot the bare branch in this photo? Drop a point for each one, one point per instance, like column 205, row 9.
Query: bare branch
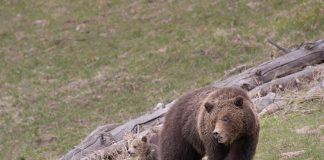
column 278, row 46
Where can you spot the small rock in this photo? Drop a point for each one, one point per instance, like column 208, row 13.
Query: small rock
column 162, row 50
column 289, row 155
column 80, row 27
column 41, row 22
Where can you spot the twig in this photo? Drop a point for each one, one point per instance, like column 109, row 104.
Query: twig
column 278, row 46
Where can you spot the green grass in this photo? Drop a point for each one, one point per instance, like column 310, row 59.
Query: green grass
column 69, row 66
column 278, row 134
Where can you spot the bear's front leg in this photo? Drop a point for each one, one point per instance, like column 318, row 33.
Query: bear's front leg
column 243, row 149
column 216, row 151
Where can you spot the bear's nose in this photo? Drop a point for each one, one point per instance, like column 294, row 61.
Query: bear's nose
column 215, row 134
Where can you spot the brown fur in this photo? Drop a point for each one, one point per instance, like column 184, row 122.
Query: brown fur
column 143, row 149
column 190, row 126
column 154, row 139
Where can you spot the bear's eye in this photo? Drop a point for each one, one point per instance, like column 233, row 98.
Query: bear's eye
column 225, row 119
column 134, row 146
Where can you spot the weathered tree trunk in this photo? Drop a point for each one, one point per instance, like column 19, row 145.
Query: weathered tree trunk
column 285, row 71
column 287, row 82
column 282, row 66
column 107, row 135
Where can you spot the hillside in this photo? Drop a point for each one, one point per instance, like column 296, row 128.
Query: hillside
column 67, row 67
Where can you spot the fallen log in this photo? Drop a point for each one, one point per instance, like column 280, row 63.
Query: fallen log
column 263, row 102
column 287, row 64
column 287, row 82
column 98, row 139
column 284, row 70
column 115, row 151
column 105, row 136
column 119, row 150
column 120, row 131
column 273, row 108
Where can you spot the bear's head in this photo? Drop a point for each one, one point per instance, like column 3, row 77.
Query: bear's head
column 138, row 146
column 230, row 114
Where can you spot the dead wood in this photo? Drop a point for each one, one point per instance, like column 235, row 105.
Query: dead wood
column 107, row 135
column 279, row 105
column 115, row 151
column 278, row 46
column 282, row 66
column 287, row 82
column 132, row 125
column 263, row 102
column 99, row 138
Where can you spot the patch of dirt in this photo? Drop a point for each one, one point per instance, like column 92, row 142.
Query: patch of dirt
column 307, row 130
column 41, row 22
column 76, row 85
column 6, row 101
column 20, row 35
column 321, row 127
column 45, row 140
column 322, row 139
column 10, row 54
column 289, row 155
column 253, row 4
column 8, row 108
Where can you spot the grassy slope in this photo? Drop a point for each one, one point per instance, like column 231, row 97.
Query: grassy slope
column 278, row 134
column 69, row 66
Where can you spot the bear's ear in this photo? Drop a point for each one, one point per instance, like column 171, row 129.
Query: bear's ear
column 239, row 101
column 208, row 106
column 144, row 139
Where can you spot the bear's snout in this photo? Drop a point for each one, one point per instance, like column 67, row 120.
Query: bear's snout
column 131, row 153
column 218, row 137
column 215, row 134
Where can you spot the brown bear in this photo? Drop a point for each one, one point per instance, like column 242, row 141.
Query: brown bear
column 143, row 149
column 218, row 122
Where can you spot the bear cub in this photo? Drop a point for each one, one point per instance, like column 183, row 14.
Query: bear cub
column 143, row 149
